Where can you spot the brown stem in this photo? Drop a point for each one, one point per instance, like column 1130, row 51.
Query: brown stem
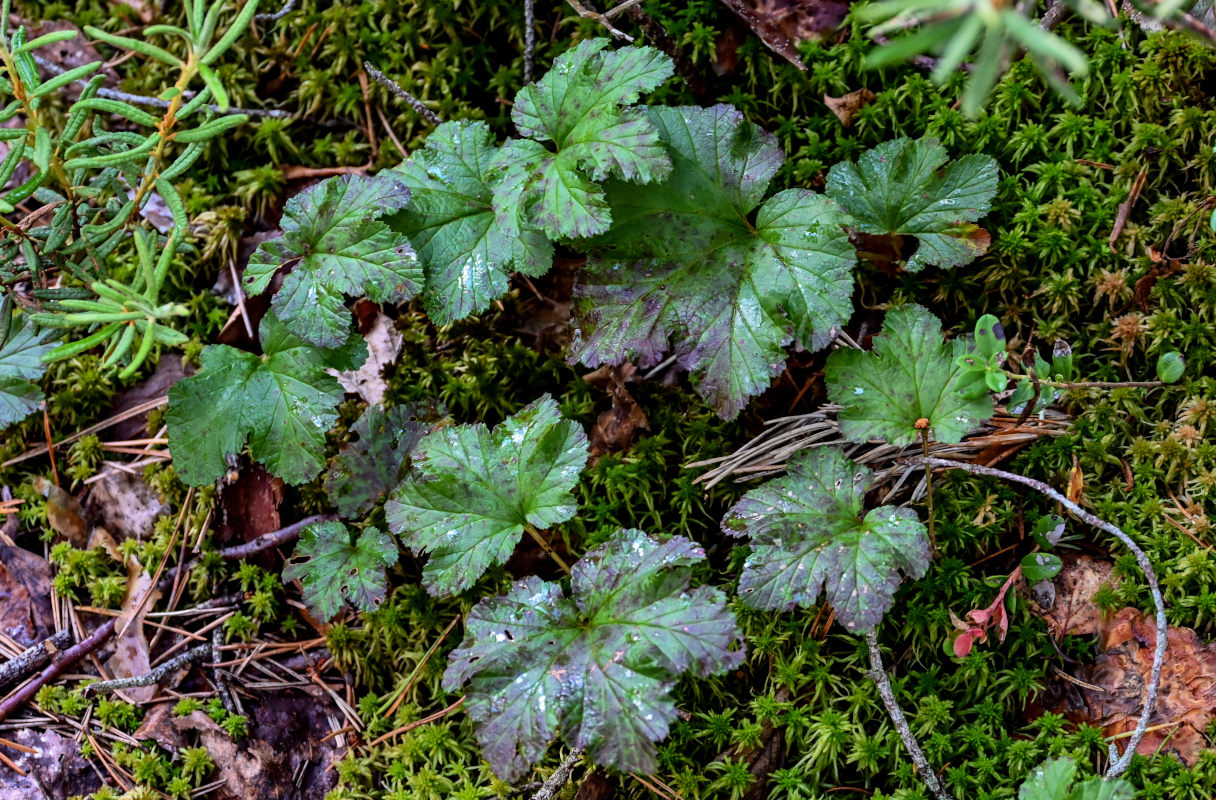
column 924, row 438
column 56, row 668
column 33, row 658
column 540, row 540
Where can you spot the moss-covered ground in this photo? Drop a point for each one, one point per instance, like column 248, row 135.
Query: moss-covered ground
column 1147, row 457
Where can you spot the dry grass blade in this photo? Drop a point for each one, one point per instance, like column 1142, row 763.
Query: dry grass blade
column 768, row 453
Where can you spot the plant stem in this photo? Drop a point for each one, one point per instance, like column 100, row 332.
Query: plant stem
column 540, row 540
column 924, row 438
column 1118, row 764
column 53, row 670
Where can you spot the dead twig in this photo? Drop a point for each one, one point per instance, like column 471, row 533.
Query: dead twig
column 221, row 677
column 587, row 12
column 529, row 38
column 153, row 676
column 878, row 674
column 53, row 670
column 413, row 102
column 264, row 542
column 277, row 15
column 33, row 658
column 560, row 776
column 1118, row 764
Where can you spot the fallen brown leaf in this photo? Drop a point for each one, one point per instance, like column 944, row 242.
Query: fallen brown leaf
column 1187, row 700
column 846, row 106
column 64, row 513
column 1074, row 612
column 126, row 505
column 616, row 427
column 1076, row 482
column 25, row 596
column 782, row 24
column 158, row 727
column 131, row 656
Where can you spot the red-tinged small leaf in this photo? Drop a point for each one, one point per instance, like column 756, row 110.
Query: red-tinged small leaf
column 962, row 644
column 1002, row 621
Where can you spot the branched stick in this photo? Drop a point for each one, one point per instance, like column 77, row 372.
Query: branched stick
column 264, row 542
column 33, row 658
column 391, row 85
column 560, row 776
column 878, row 674
column 153, row 676
column 529, row 38
column 277, row 15
column 273, row 539
column 1118, row 764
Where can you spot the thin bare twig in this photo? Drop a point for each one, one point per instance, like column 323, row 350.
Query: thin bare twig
column 56, row 668
column 221, row 677
column 414, row 103
column 878, row 674
column 529, row 38
column 34, row 658
column 1119, row 764
column 263, row 542
column 1055, row 12
column 277, row 15
column 587, row 12
column 153, row 676
column 560, row 776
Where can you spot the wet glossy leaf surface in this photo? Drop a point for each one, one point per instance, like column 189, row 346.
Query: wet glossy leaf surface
column 577, row 107
column 467, row 245
column 684, row 269
column 333, row 233
column 594, row 666
column 282, row 403
column 910, row 375
column 334, row 570
column 473, row 491
column 809, row 538
column 901, row 188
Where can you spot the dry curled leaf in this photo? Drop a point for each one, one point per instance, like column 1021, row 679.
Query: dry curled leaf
column 1119, row 674
column 1074, row 612
column 782, row 25
column 846, row 106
